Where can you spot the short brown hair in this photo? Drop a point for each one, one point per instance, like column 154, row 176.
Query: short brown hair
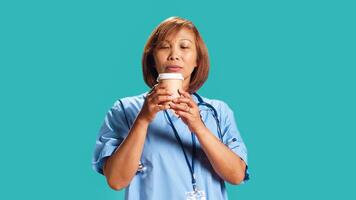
column 166, row 27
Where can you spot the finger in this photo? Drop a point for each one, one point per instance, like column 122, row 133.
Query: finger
column 163, row 91
column 161, row 107
column 183, row 114
column 160, row 92
column 155, row 88
column 159, row 99
column 180, row 107
column 152, row 89
column 184, row 100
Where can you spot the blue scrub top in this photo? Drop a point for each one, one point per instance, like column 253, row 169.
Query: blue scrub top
column 166, row 174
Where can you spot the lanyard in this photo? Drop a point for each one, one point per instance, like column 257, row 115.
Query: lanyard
column 191, row 167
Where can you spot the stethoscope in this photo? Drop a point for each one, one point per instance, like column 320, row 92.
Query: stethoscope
column 214, row 113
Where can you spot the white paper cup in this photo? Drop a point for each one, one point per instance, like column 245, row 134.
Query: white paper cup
column 172, row 81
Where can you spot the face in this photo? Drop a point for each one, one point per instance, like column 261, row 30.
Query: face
column 177, row 53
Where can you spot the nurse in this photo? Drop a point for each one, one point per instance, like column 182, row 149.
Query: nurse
column 156, row 154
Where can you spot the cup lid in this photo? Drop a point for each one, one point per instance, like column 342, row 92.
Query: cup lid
column 163, row 76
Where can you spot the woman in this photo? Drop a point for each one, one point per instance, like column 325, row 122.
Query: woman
column 157, row 154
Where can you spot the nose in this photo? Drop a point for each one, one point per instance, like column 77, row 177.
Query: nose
column 174, row 55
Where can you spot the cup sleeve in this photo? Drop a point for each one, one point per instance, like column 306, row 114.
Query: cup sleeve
column 111, row 134
column 232, row 137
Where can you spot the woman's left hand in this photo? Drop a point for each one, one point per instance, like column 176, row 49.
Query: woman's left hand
column 185, row 107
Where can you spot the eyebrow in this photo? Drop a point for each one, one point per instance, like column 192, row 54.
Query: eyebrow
column 186, row 39
column 179, row 40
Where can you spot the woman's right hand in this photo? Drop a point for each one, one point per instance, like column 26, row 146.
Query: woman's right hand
column 156, row 100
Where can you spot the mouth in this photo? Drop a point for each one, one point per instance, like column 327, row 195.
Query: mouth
column 173, row 68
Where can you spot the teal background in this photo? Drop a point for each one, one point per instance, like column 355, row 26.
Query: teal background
column 286, row 68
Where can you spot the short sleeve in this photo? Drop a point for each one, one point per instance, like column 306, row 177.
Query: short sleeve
column 232, row 137
column 111, row 134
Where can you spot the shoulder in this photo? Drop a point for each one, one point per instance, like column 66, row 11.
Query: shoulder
column 127, row 107
column 129, row 102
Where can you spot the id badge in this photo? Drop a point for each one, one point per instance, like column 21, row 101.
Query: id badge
column 196, row 195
